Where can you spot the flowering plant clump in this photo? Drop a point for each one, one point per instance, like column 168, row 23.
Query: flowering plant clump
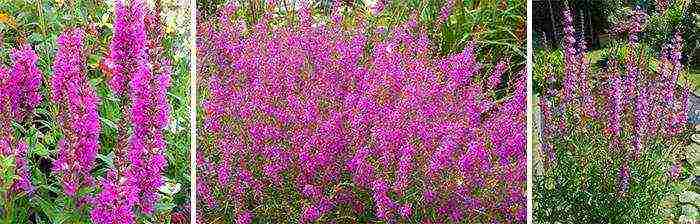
column 104, row 140
column 19, row 96
column 612, row 145
column 309, row 121
column 139, row 171
column 78, row 117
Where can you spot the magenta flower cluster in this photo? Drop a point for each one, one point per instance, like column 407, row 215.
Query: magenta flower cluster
column 313, row 107
column 644, row 104
column 127, row 51
column 116, row 200
column 19, row 96
column 141, row 77
column 27, row 79
column 577, row 89
column 77, row 118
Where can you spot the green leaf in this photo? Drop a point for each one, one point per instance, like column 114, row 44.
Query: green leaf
column 106, row 122
column 170, row 188
column 39, row 150
column 48, row 209
column 107, row 159
column 35, row 38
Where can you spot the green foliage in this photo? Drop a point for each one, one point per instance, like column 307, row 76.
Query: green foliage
column 583, row 186
column 7, row 173
column 39, row 23
column 498, row 27
column 9, row 197
column 661, row 25
column 546, row 63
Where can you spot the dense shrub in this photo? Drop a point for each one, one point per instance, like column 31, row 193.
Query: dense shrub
column 612, row 145
column 313, row 120
column 19, row 97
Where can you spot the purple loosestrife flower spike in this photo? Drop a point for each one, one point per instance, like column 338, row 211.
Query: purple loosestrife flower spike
column 149, row 116
column 384, row 205
column 461, row 67
column 405, row 165
column 675, row 55
column 146, row 80
column 641, row 120
column 615, row 92
column 585, row 87
column 128, row 47
column 78, row 118
column 673, row 59
column 570, row 57
column 441, row 159
column 8, row 92
column 115, row 203
column 19, row 95
column 547, row 131
column 28, row 79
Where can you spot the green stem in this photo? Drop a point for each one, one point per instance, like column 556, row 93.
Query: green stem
column 8, row 210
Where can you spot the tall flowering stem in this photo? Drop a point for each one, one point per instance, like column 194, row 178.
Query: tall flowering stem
column 141, row 75
column 149, row 112
column 28, row 79
column 78, row 117
column 616, row 105
column 19, row 95
column 670, row 69
column 571, row 56
column 577, row 89
column 128, row 46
